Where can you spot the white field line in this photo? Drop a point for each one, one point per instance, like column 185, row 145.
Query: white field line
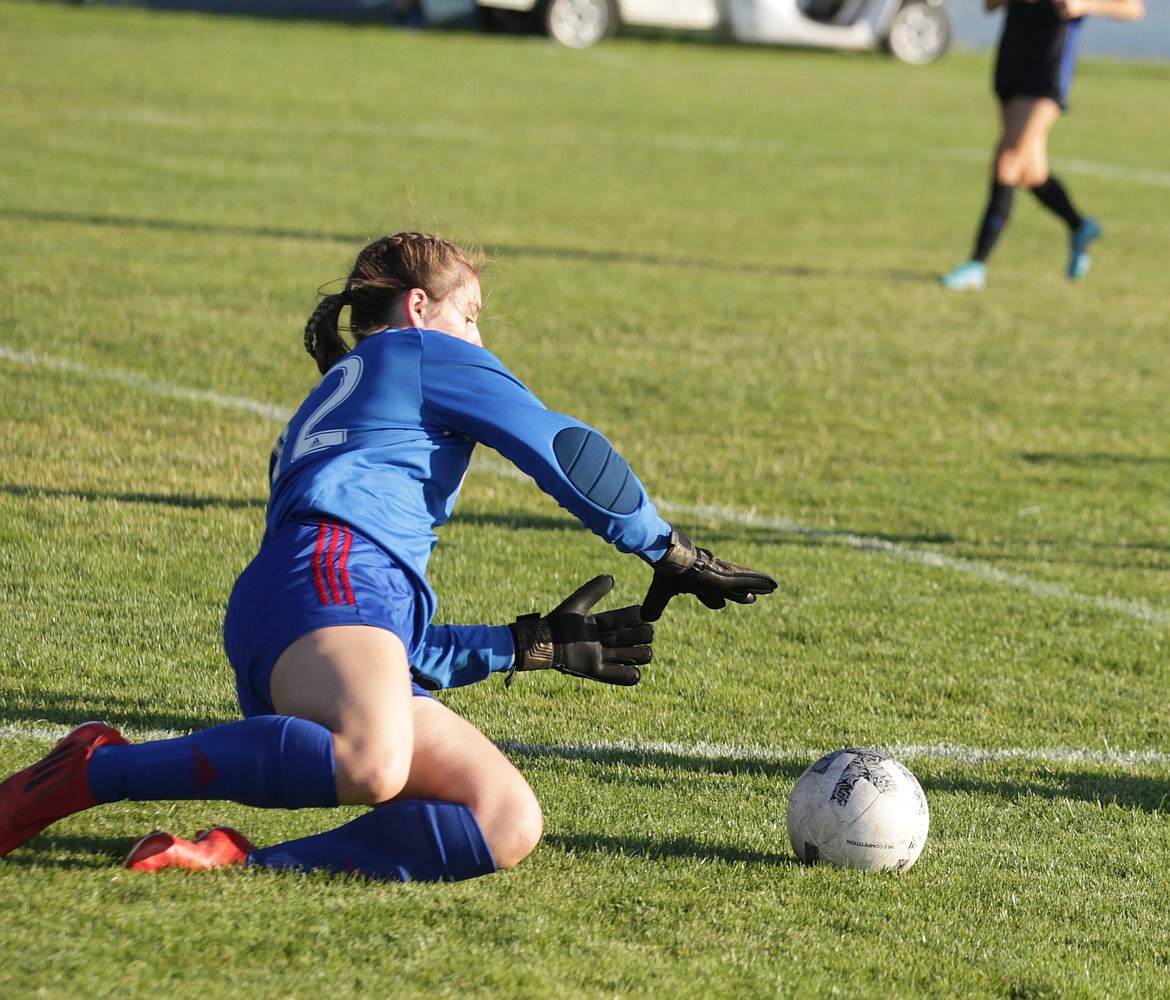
column 150, row 386
column 950, row 752
column 725, row 752
column 683, row 143
column 1138, row 610
column 1116, row 172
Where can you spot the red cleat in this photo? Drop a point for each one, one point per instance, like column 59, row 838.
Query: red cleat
column 52, row 788
column 215, row 848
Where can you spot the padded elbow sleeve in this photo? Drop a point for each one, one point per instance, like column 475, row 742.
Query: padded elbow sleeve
column 596, row 471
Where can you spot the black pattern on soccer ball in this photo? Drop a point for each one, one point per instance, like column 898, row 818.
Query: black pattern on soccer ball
column 822, row 765
column 866, row 765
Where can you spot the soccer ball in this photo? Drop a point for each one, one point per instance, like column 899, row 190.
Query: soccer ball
column 858, row 808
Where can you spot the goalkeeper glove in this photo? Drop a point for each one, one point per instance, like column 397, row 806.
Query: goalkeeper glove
column 604, row 647
column 688, row 570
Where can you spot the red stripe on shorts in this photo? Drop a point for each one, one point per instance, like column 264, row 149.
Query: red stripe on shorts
column 335, row 531
column 331, row 564
column 343, row 567
column 318, row 575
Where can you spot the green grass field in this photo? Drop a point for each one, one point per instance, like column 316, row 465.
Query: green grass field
column 725, row 259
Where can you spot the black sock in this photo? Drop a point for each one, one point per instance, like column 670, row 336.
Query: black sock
column 1055, row 198
column 999, row 208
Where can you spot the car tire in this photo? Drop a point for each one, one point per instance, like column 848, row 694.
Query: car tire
column 581, row 23
column 920, row 32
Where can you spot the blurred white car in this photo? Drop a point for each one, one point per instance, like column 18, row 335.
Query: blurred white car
column 915, row 31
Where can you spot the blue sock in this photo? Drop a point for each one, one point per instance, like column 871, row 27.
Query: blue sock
column 272, row 761
column 409, row 841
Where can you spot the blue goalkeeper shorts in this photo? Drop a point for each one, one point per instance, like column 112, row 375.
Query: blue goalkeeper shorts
column 309, row 576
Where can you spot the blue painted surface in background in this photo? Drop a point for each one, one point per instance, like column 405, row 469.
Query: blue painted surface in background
column 1148, row 38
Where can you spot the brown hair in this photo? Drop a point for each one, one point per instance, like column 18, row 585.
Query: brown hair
column 385, row 271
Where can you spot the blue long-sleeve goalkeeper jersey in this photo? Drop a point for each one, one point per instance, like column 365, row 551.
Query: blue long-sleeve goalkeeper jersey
column 383, row 442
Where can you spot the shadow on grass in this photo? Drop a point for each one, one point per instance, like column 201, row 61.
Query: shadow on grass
column 1088, row 460
column 78, row 853
column 708, row 537
column 1042, row 552
column 66, row 852
column 1097, row 785
column 594, row 256
column 1125, row 791
column 515, row 520
column 52, row 708
column 161, row 499
column 669, row 760
column 662, row 850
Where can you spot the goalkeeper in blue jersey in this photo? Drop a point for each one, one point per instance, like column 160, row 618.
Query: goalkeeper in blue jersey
column 329, row 629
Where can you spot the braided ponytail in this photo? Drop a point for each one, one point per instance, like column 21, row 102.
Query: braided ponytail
column 322, row 338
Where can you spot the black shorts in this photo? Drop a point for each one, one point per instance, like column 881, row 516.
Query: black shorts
column 1037, row 53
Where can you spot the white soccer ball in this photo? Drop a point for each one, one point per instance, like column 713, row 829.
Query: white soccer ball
column 858, row 808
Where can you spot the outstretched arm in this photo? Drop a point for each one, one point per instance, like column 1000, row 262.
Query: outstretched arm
column 1119, row 10
column 467, row 390
column 582, row 471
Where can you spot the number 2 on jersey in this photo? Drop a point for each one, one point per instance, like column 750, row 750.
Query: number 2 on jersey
column 309, row 439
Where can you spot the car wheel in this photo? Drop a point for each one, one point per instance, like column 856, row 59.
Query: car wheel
column 581, row 23
column 920, row 32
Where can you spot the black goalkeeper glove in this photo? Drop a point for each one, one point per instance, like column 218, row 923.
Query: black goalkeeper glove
column 688, row 570
column 604, row 647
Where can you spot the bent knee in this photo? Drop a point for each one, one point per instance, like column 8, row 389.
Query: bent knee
column 1034, row 178
column 512, row 826
column 1009, row 170
column 367, row 780
column 1015, row 169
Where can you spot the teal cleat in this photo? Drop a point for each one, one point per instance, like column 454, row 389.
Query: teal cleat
column 970, row 274
column 1079, row 260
